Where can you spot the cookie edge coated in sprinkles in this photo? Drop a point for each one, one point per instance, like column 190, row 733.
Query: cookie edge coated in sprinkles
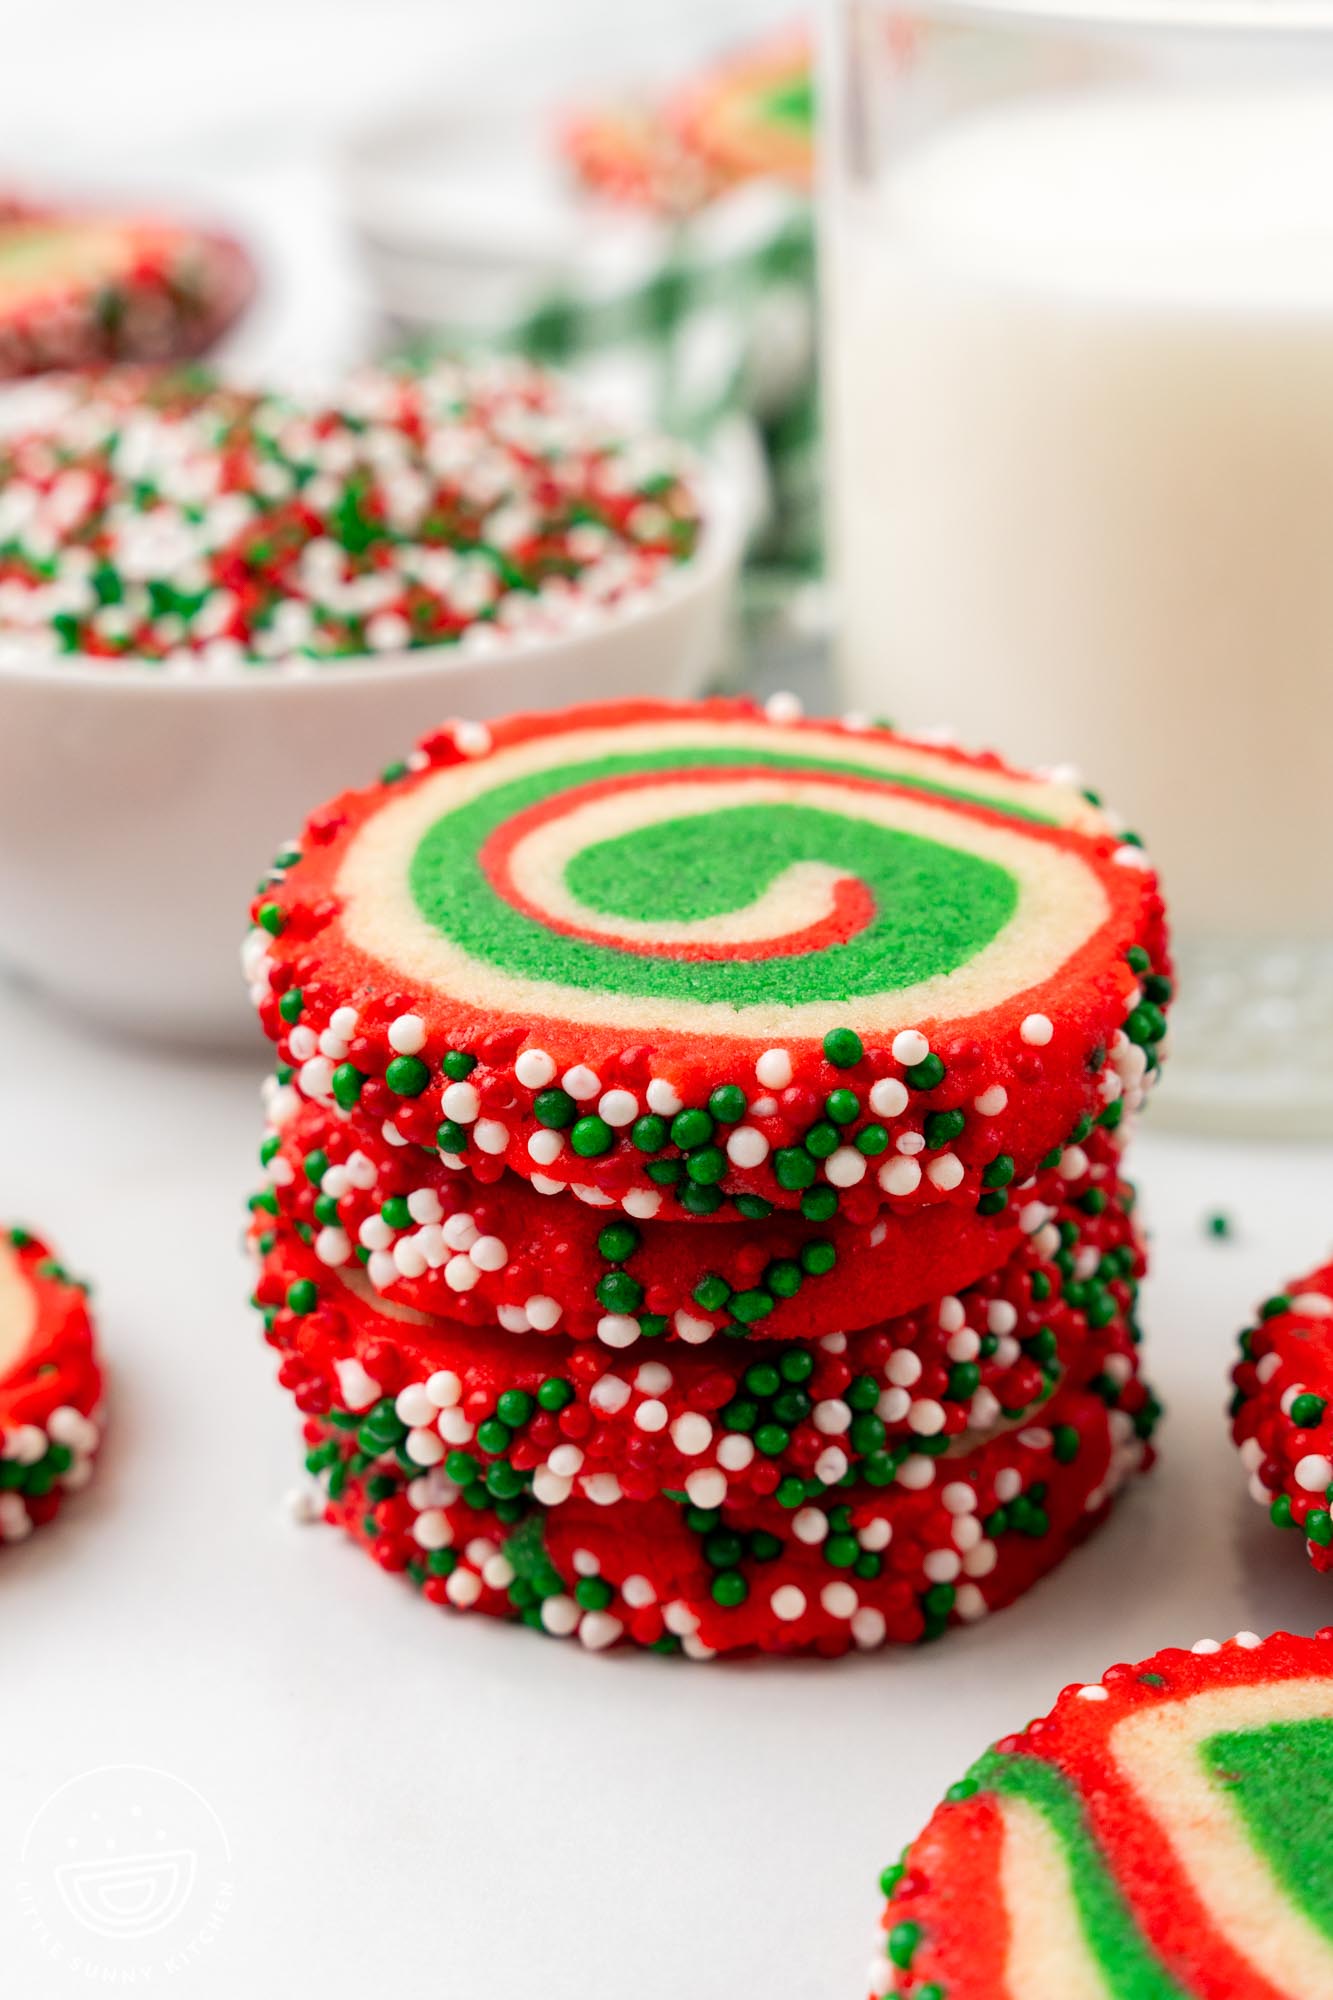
column 442, row 1072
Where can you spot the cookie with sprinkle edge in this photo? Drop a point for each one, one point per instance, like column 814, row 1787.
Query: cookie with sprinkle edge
column 1282, row 1410
column 1162, row 1834
column 50, row 1385
column 948, row 1540
column 720, row 952
column 547, row 1416
column 442, row 1240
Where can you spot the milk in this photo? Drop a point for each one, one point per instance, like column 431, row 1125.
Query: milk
column 1082, row 380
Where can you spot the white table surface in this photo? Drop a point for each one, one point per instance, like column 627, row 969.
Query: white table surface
column 410, row 1796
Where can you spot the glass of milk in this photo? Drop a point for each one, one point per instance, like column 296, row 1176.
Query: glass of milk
column 1080, row 300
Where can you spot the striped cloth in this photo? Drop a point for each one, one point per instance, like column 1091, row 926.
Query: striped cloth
column 710, row 332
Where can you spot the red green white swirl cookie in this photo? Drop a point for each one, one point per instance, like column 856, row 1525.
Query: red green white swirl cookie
column 891, row 1566
column 50, row 1385
column 77, row 290
column 753, row 115
column 1162, row 1834
column 1282, row 1410
column 716, row 952
column 740, row 1420
column 439, row 1240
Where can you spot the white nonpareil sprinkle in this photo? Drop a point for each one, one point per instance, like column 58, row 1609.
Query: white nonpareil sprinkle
column 407, row 1035
column 747, row 1147
column 845, row 1167
column 618, row 1107
column 357, row 1389
column 888, row 1097
column 460, row 1102
column 784, row 707
column 663, row 1097
column 773, row 1069
column 691, row 1433
column 900, row 1177
column 534, row 1069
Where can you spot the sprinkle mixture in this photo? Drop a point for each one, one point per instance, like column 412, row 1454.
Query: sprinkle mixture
column 50, row 1385
column 1163, row 1834
column 1282, row 1411
column 162, row 516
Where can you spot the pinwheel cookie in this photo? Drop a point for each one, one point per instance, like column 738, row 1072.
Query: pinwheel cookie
column 725, row 957
column 50, row 1385
column 749, row 1418
column 77, row 289
column 947, row 1542
column 491, row 1248
column 1163, row 1834
column 1282, row 1411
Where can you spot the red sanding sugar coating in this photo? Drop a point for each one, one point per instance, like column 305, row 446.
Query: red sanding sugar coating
column 78, row 289
column 1164, row 1833
column 738, row 1419
column 859, row 1569
column 442, row 1239
column 723, row 955
column 50, row 1385
column 159, row 515
column 1282, row 1410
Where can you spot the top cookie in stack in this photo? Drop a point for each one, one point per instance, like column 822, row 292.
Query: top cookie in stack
column 700, row 960
column 870, row 1009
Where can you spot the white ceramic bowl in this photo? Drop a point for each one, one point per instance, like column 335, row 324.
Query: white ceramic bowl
column 138, row 808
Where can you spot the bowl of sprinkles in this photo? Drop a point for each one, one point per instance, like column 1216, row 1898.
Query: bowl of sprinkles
column 213, row 596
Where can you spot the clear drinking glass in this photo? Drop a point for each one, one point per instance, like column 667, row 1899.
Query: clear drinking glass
column 1080, row 304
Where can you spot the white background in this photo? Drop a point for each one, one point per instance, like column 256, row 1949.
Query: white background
column 410, row 1797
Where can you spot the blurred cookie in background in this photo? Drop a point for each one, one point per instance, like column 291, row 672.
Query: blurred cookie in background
column 80, row 287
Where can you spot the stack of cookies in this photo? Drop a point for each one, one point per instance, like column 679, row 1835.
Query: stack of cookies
column 694, row 1209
